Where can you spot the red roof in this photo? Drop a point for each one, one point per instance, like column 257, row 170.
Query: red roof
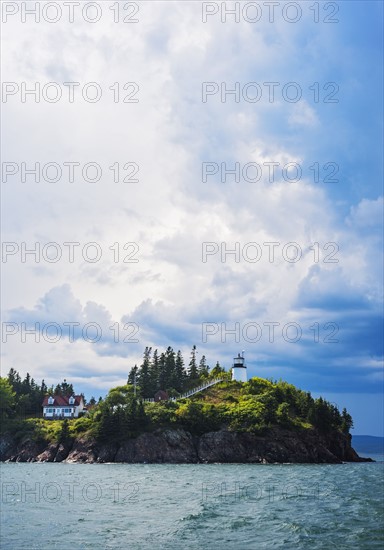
column 160, row 395
column 62, row 401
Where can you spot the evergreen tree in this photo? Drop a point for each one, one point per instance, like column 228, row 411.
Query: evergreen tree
column 106, row 426
column 320, row 415
column 29, row 395
column 346, row 421
column 180, row 374
column 26, row 385
column 193, row 373
column 162, row 372
column 154, row 372
column 170, row 368
column 141, row 417
column 144, row 375
column 15, row 381
column 217, row 370
column 133, row 376
column 64, row 389
column 43, row 388
column 203, row 369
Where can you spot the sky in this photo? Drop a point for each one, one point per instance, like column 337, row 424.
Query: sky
column 201, row 178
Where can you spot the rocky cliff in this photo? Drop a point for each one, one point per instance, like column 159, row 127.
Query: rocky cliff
column 179, row 446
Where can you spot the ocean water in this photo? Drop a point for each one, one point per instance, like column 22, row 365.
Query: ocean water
column 218, row 506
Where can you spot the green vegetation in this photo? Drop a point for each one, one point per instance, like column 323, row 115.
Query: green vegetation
column 254, row 406
column 167, row 372
column 21, row 411
column 27, row 395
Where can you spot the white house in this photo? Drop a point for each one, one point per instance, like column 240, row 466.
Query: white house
column 63, row 406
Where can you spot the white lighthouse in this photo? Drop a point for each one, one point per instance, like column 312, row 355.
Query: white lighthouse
column 239, row 369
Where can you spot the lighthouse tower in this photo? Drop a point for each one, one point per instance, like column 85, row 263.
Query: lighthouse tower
column 239, row 369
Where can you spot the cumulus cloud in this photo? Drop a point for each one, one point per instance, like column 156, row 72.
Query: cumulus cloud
column 172, row 210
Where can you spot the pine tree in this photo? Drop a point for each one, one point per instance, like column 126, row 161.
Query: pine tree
column 141, row 417
column 43, row 388
column 203, row 369
column 106, row 425
column 346, row 421
column 133, row 376
column 144, row 375
column 162, row 372
column 15, row 380
column 64, row 389
column 192, row 368
column 217, row 370
column 26, row 385
column 170, row 368
column 154, row 372
column 180, row 374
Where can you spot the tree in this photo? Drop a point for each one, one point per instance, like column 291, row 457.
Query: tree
column 106, row 427
column 141, row 417
column 203, row 369
column 154, row 371
column 180, row 374
column 144, row 375
column 346, row 421
column 64, row 389
column 29, row 395
column 193, row 373
column 119, row 395
column 64, row 434
column 162, row 372
column 15, row 380
column 170, row 368
column 26, row 385
column 121, row 415
column 133, row 376
column 283, row 416
column 7, row 398
column 320, row 415
column 43, row 388
column 217, row 370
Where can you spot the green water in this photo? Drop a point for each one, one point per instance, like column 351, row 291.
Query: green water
column 144, row 506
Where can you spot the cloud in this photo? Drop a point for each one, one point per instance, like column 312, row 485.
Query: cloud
column 367, row 214
column 304, row 115
column 171, row 211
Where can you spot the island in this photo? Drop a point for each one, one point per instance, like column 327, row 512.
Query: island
column 210, row 417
